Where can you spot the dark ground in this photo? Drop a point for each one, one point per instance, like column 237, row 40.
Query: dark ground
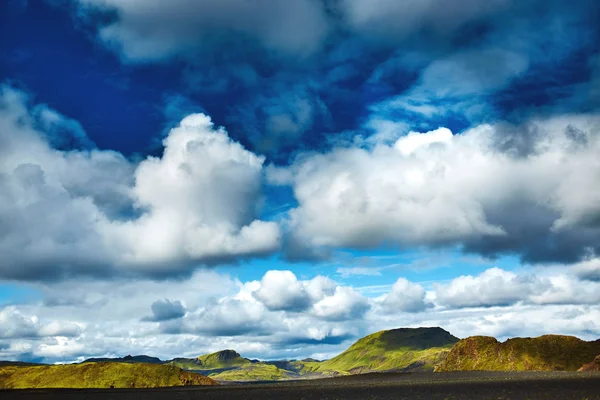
column 442, row 386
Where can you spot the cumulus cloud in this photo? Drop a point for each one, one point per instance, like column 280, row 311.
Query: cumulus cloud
column 494, row 287
column 405, row 296
column 228, row 316
column 588, row 270
column 281, row 290
column 165, row 310
column 201, row 198
column 498, row 287
column 435, row 189
column 13, row 324
column 344, row 304
column 221, row 312
column 82, row 212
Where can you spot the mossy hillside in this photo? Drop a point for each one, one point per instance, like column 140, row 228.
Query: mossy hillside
column 222, row 359
column 254, row 372
column 99, row 375
column 544, row 353
column 397, row 349
column 212, row 363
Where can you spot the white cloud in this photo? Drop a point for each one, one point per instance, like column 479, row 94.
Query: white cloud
column 320, row 296
column 494, row 287
column 13, row 324
column 62, row 348
column 281, row 290
column 435, row 189
column 588, row 269
column 405, row 296
column 344, row 304
column 201, row 198
column 94, row 212
column 101, row 318
column 497, row 287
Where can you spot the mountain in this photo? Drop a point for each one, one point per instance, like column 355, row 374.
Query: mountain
column 228, row 365
column 222, row 359
column 404, row 349
column 128, row 359
column 592, row 366
column 544, row 353
column 17, row 364
column 98, row 375
column 213, row 363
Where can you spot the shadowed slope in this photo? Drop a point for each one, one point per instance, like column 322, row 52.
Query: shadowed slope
column 544, row 353
column 99, row 375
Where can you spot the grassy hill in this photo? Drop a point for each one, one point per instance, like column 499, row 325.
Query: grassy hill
column 544, row 353
column 98, row 375
column 418, row 349
column 212, row 363
column 255, row 372
column 398, row 349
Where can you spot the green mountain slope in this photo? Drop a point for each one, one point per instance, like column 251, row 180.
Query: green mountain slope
column 98, row 375
column 212, row 363
column 398, row 349
column 255, row 372
column 222, row 359
column 544, row 353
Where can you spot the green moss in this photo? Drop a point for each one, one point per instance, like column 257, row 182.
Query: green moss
column 222, row 359
column 544, row 353
column 398, row 349
column 98, row 375
column 254, row 372
column 225, row 359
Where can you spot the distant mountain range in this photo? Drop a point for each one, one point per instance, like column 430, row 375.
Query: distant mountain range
column 129, row 359
column 404, row 349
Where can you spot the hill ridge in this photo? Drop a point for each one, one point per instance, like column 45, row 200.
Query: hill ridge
column 99, row 375
column 542, row 353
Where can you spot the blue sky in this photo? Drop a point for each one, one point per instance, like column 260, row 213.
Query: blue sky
column 301, row 173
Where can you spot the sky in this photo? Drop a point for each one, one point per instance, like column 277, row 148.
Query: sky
column 284, row 177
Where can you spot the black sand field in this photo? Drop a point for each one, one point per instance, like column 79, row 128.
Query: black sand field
column 442, row 386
